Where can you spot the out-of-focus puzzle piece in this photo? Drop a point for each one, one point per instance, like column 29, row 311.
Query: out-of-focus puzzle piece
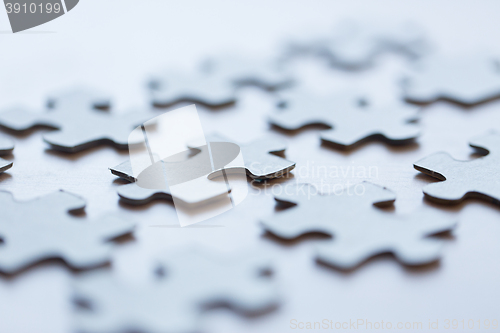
column 172, row 87
column 356, row 46
column 40, row 229
column 79, row 125
column 259, row 161
column 352, row 120
column 477, row 178
column 359, row 230
column 216, row 83
column 465, row 81
column 190, row 283
column 6, row 147
column 240, row 71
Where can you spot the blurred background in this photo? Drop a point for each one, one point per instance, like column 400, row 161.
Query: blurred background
column 116, row 45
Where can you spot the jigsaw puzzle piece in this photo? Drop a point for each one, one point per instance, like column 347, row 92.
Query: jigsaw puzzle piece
column 405, row 237
column 243, row 72
column 465, row 81
column 360, row 231
column 463, row 179
column 174, row 87
column 81, row 245
column 86, row 130
column 20, row 119
column 395, row 124
column 79, row 97
column 175, row 301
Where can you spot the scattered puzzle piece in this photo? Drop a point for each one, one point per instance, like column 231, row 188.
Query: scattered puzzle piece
column 173, row 87
column 352, row 122
column 40, row 229
column 79, row 127
column 464, row 179
column 6, row 147
column 356, row 46
column 259, row 162
column 359, row 230
column 242, row 72
column 465, row 81
column 175, row 302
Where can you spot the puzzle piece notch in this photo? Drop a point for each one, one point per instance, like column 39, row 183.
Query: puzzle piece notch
column 466, row 81
column 352, row 119
column 259, row 159
column 176, row 301
column 360, row 231
column 81, row 245
column 464, row 179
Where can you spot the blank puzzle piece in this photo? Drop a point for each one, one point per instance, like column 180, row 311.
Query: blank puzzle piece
column 477, row 178
column 356, row 46
column 351, row 122
column 6, row 147
column 79, row 126
column 40, row 229
column 359, row 230
column 192, row 282
column 174, row 87
column 465, row 81
column 249, row 72
column 217, row 82
column 147, row 186
column 259, row 162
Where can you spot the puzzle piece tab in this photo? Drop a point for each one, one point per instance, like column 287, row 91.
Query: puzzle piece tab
column 464, row 81
column 359, row 230
column 42, row 229
column 352, row 122
column 477, row 178
column 175, row 302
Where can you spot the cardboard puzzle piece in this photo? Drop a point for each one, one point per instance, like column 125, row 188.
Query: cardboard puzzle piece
column 81, row 96
column 259, row 161
column 153, row 183
column 6, row 147
column 172, row 87
column 352, row 122
column 465, row 81
column 40, row 229
column 78, row 126
column 356, row 46
column 240, row 71
column 175, row 302
column 359, row 230
column 464, row 179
